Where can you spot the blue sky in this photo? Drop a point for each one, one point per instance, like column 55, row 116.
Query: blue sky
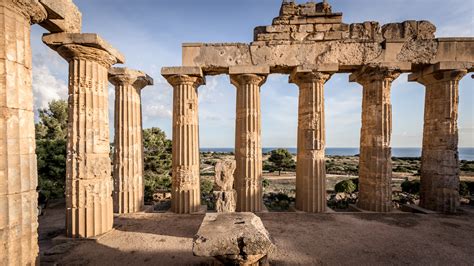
column 150, row 32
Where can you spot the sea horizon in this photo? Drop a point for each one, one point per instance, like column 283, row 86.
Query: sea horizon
column 465, row 153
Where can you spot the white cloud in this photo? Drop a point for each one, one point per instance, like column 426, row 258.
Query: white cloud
column 46, row 87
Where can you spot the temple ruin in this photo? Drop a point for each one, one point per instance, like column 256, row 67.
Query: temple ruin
column 309, row 42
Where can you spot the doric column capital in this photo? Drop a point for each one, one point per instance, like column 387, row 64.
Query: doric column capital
column 120, row 76
column 241, row 79
column 75, row 51
column 183, row 76
column 440, row 76
column 176, row 80
column 309, row 77
column 86, row 46
column 33, row 10
column 370, row 73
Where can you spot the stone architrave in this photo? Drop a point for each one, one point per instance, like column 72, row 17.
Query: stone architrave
column 311, row 165
column 185, row 193
column 440, row 158
column 128, row 155
column 18, row 174
column 248, row 131
column 89, row 207
column 375, row 161
column 225, row 196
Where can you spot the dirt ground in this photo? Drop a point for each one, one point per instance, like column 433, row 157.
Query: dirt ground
column 304, row 239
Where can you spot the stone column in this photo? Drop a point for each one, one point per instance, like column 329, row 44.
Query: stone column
column 89, row 208
column 248, row 143
column 311, row 165
column 440, row 158
column 128, row 155
column 186, row 192
column 18, row 174
column 375, row 161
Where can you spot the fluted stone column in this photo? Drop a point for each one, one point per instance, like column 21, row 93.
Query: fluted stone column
column 18, row 174
column 89, row 208
column 128, row 144
column 186, row 192
column 248, row 143
column 311, row 166
column 375, row 161
column 440, row 158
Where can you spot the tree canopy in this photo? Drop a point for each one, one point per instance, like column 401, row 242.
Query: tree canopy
column 51, row 135
column 282, row 159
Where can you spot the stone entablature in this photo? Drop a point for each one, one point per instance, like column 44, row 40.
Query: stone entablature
column 302, row 35
column 311, row 41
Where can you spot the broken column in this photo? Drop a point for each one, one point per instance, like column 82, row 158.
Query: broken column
column 439, row 189
column 18, row 174
column 89, row 208
column 225, row 196
column 375, row 160
column 248, row 131
column 311, row 166
column 128, row 143
column 185, row 191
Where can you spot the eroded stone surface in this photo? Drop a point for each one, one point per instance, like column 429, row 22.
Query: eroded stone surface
column 248, row 147
column 18, row 172
column 303, row 34
column 235, row 238
column 186, row 195
column 311, row 166
column 375, row 162
column 128, row 156
column 89, row 186
column 225, row 196
column 440, row 158
column 63, row 16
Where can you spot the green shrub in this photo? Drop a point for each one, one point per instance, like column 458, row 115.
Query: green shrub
column 467, row 166
column 154, row 182
column 464, row 189
column 346, row 186
column 412, row 187
column 265, row 183
column 206, row 187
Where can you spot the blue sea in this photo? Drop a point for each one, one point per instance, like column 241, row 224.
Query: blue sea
column 464, row 153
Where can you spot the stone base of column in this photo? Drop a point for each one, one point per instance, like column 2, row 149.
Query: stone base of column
column 19, row 241
column 439, row 181
column 375, row 178
column 311, row 184
column 95, row 216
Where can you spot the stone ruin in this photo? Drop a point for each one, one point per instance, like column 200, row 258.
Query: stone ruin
column 309, row 42
column 224, row 194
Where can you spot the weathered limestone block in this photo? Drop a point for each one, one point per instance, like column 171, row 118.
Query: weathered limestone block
column 422, row 30
column 369, row 30
column 440, row 158
column 233, row 238
column 224, row 194
column 311, row 166
column 128, row 156
column 18, row 174
column 89, row 207
column 63, row 16
column 248, row 143
column 375, row 161
column 186, row 195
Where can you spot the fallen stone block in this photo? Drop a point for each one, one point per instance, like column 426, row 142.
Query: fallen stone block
column 233, row 238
